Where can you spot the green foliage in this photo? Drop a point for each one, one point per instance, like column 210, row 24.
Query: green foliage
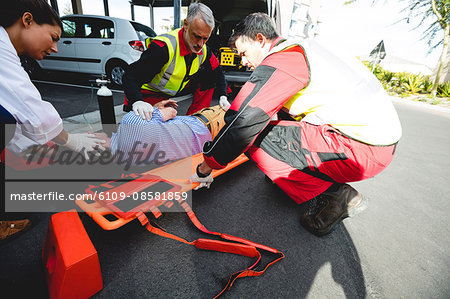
column 377, row 71
column 402, row 77
column 413, row 83
column 438, row 12
column 427, row 84
column 386, row 76
column 404, row 84
column 444, row 89
column 399, row 82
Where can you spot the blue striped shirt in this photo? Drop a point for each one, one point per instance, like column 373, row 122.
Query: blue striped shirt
column 144, row 141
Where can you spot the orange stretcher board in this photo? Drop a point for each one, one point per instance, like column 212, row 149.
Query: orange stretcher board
column 113, row 214
column 169, row 176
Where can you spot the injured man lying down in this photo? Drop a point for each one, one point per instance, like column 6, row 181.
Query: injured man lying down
column 165, row 137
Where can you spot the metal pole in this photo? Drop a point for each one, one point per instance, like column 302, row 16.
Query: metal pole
column 177, row 14
column 76, row 7
column 152, row 17
column 132, row 11
column 54, row 4
column 105, row 5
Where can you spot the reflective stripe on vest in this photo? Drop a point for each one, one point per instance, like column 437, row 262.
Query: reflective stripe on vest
column 173, row 77
column 297, row 115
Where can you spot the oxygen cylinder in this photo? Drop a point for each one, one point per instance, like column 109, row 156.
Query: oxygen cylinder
column 106, row 105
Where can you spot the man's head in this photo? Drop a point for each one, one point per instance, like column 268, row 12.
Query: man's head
column 198, row 26
column 252, row 38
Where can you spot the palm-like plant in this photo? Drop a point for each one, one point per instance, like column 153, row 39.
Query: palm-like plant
column 444, row 90
column 400, row 80
column 427, row 84
column 413, row 83
column 441, row 10
column 386, row 76
column 426, row 9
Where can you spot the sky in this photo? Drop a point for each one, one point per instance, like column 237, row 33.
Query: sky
column 357, row 28
column 361, row 26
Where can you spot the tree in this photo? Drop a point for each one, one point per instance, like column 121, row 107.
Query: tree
column 426, row 9
column 440, row 9
column 67, row 10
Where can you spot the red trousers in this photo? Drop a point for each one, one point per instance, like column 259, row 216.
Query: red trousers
column 304, row 160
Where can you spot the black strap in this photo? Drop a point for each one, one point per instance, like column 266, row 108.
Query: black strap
column 204, row 120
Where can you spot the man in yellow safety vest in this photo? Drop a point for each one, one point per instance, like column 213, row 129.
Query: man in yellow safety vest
column 176, row 63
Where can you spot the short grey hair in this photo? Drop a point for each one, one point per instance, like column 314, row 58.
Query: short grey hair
column 199, row 9
column 253, row 24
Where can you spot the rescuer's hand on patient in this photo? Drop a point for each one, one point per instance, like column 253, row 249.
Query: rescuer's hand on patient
column 84, row 143
column 168, row 113
column 202, row 178
column 143, row 109
column 167, row 103
column 223, row 103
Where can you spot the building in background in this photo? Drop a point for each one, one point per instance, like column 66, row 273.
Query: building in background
column 296, row 19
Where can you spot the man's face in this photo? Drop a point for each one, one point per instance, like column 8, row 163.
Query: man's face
column 251, row 51
column 40, row 40
column 196, row 34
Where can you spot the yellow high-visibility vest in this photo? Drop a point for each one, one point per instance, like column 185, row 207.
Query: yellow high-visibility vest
column 173, row 76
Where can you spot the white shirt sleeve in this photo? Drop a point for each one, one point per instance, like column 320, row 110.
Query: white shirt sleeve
column 39, row 121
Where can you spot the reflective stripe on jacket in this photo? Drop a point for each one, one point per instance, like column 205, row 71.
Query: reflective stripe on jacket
column 342, row 93
column 173, row 76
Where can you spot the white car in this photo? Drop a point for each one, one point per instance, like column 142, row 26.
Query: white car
column 98, row 45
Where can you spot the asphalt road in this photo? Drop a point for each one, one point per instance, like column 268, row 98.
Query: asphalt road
column 397, row 248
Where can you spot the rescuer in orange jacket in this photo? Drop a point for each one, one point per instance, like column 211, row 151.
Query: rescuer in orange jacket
column 329, row 130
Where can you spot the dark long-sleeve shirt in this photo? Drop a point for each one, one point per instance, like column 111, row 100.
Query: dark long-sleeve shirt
column 152, row 61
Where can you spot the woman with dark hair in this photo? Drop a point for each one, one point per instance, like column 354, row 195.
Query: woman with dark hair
column 42, row 13
column 30, row 27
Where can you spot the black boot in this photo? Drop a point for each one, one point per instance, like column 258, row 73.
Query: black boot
column 329, row 208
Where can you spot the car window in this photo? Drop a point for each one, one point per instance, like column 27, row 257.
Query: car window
column 143, row 31
column 96, row 28
column 68, row 28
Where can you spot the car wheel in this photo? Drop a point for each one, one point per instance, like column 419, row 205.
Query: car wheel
column 115, row 70
column 30, row 66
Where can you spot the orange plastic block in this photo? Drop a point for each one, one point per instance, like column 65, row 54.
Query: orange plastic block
column 70, row 259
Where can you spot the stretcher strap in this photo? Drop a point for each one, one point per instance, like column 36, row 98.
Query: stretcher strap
column 243, row 247
column 201, row 227
column 155, row 211
column 247, row 273
column 207, row 244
